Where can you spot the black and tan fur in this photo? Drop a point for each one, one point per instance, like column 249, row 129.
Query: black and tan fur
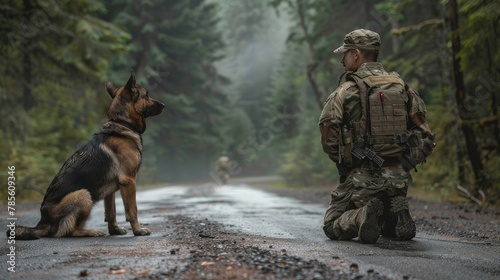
column 108, row 163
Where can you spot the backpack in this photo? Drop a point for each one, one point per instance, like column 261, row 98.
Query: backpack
column 381, row 135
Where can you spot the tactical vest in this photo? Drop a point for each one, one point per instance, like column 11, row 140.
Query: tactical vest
column 381, row 133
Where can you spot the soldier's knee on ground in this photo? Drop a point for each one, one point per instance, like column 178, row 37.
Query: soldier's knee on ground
column 328, row 229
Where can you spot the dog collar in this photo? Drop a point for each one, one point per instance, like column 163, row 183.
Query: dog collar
column 127, row 125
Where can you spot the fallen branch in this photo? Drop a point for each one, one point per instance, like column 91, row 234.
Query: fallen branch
column 467, row 194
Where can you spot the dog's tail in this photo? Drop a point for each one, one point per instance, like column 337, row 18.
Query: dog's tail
column 29, row 233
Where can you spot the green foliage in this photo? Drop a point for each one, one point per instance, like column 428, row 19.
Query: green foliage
column 296, row 145
column 480, row 31
column 174, row 47
column 420, row 52
column 479, row 57
column 54, row 57
column 430, row 72
column 305, row 164
column 430, row 175
column 254, row 39
column 238, row 129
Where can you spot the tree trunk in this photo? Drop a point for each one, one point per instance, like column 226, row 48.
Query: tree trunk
column 482, row 183
column 396, row 40
column 312, row 66
column 492, row 89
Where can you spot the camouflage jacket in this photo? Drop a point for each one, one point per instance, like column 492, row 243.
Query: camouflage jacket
column 346, row 98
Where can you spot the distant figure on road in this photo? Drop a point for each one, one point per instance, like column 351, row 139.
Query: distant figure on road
column 373, row 126
column 222, row 168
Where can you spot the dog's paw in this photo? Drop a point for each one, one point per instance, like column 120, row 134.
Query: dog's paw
column 142, row 231
column 117, row 231
column 98, row 233
column 88, row 233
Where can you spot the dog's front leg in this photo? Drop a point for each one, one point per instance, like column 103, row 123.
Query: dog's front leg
column 110, row 216
column 128, row 192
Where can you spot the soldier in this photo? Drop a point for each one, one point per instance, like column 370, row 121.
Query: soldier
column 373, row 127
column 222, row 168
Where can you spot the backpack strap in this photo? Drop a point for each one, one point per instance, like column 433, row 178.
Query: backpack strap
column 362, row 91
column 343, row 77
column 363, row 96
column 363, row 149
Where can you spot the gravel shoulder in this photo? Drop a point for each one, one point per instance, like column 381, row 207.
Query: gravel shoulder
column 208, row 251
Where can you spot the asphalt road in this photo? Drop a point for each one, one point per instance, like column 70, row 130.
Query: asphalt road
column 275, row 222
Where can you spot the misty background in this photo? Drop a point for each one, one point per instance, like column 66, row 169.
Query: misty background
column 246, row 78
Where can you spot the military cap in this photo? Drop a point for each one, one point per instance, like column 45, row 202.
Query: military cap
column 361, row 39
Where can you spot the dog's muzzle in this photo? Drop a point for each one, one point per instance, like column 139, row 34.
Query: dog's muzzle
column 154, row 109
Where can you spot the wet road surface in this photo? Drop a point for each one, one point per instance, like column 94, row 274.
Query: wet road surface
column 276, row 222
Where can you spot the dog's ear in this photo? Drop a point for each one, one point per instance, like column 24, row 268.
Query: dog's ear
column 131, row 81
column 110, row 88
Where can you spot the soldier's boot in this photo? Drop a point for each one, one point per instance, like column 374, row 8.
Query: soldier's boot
column 405, row 228
column 369, row 221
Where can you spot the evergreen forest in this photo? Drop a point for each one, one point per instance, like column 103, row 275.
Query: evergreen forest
column 246, row 78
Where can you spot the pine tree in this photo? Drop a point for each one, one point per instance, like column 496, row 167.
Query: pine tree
column 54, row 58
column 174, row 47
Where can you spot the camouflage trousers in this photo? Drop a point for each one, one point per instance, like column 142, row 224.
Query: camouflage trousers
column 343, row 216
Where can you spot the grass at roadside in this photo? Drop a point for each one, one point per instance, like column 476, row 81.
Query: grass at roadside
column 414, row 191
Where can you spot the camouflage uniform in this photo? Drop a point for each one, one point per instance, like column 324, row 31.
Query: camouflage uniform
column 365, row 197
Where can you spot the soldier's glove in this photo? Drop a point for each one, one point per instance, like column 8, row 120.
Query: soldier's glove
column 420, row 148
column 428, row 146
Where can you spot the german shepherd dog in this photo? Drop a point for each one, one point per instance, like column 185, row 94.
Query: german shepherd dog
column 109, row 162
